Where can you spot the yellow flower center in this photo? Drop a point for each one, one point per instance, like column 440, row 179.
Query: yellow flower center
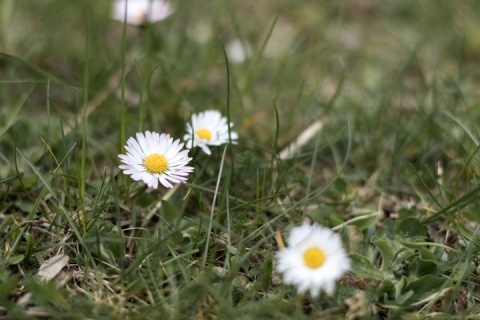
column 314, row 258
column 204, row 134
column 156, row 163
column 141, row 16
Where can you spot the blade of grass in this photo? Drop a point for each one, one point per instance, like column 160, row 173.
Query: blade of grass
column 254, row 67
column 232, row 168
column 14, row 115
column 209, row 230
column 11, row 178
column 462, row 125
column 140, row 103
column 319, row 191
column 47, row 185
column 86, row 84
column 126, row 182
column 456, row 205
column 42, row 72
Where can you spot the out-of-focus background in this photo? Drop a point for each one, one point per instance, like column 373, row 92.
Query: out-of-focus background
column 382, row 59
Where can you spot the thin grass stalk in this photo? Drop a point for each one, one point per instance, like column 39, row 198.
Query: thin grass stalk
column 82, row 176
column 122, row 98
column 228, row 105
column 209, row 230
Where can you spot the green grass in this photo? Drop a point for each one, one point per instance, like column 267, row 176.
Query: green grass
column 394, row 168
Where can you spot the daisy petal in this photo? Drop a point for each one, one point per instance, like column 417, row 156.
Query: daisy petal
column 155, row 159
column 208, row 128
column 314, row 259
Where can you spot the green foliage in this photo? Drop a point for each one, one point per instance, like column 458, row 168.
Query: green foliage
column 394, row 167
column 363, row 268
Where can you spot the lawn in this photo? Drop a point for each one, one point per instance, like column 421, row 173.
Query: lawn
column 357, row 115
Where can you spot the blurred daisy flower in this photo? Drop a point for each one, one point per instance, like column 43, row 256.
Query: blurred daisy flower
column 155, row 158
column 208, row 128
column 139, row 12
column 313, row 260
column 238, row 51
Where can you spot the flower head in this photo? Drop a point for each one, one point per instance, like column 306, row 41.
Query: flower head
column 140, row 12
column 208, row 128
column 238, row 51
column 153, row 157
column 314, row 259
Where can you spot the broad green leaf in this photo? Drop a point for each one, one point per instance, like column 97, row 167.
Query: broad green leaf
column 16, row 259
column 426, row 254
column 386, row 287
column 401, row 295
column 421, row 267
column 363, row 268
column 386, row 249
column 389, row 226
column 406, row 212
column 410, row 227
column 30, row 247
column 339, row 188
column 255, row 271
column 425, row 286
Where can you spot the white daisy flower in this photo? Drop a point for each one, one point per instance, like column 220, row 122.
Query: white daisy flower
column 153, row 157
column 208, row 128
column 314, row 259
column 140, row 12
column 238, row 51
